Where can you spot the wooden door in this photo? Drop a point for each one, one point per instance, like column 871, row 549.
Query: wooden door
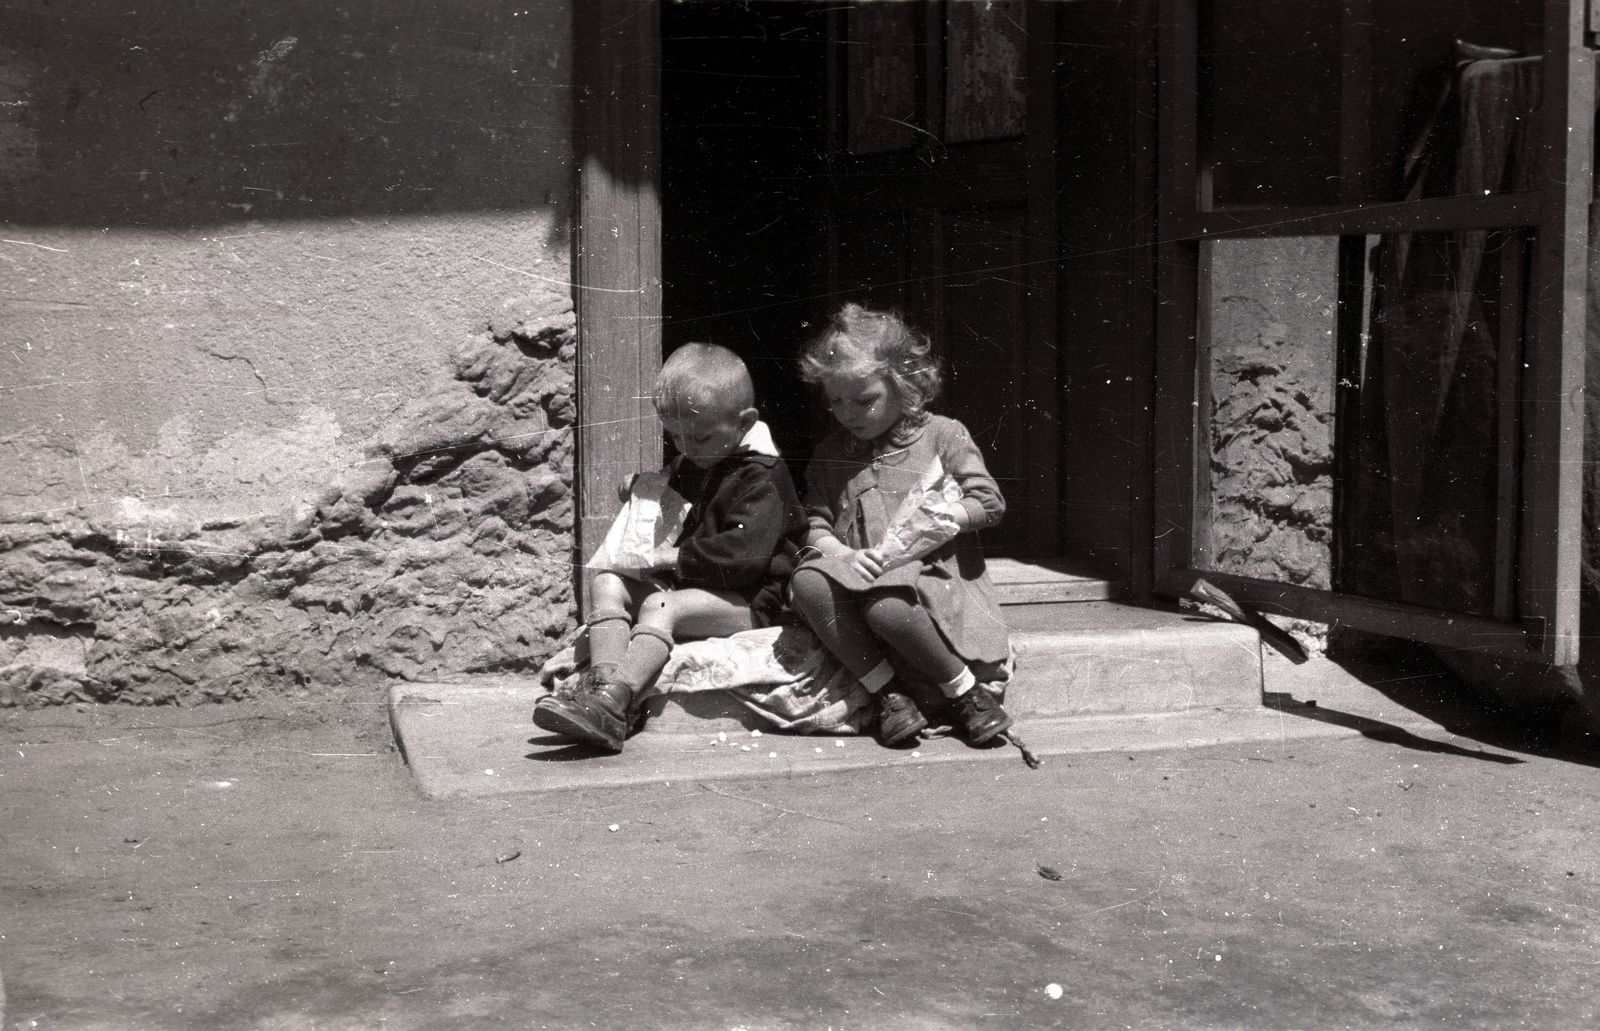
column 1374, row 224
column 941, row 205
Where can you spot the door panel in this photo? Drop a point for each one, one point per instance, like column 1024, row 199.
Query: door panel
column 982, row 345
column 1407, row 286
column 870, row 259
column 946, row 214
column 985, row 95
column 881, row 62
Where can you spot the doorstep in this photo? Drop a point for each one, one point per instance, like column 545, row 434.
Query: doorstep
column 1112, row 677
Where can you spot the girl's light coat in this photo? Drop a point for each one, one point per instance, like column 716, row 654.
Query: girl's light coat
column 853, row 489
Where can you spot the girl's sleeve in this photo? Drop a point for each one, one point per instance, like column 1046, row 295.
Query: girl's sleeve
column 980, row 494
column 818, row 505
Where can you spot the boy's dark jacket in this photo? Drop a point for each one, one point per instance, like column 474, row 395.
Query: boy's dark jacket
column 744, row 529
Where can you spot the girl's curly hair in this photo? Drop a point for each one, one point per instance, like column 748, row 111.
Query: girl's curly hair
column 861, row 342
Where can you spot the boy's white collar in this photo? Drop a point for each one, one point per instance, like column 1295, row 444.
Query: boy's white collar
column 759, row 439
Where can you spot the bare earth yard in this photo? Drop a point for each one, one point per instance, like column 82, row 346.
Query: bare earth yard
column 267, row 867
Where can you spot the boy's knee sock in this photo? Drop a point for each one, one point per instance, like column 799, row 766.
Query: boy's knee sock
column 959, row 685
column 608, row 639
column 880, row 675
column 648, row 649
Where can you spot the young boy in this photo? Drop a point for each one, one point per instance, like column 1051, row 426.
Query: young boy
column 729, row 567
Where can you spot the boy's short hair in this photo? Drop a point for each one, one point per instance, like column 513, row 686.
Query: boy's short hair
column 704, row 378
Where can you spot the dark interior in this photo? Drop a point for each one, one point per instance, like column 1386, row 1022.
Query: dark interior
column 743, row 231
column 1303, row 104
column 753, row 199
column 1274, row 77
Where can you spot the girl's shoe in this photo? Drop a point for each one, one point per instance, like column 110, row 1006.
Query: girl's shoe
column 979, row 714
column 596, row 713
column 897, row 716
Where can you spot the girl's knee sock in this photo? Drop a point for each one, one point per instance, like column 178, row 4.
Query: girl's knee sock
column 959, row 685
column 648, row 649
column 608, row 640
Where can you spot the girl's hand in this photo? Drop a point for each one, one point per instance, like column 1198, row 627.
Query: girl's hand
column 665, row 558
column 867, row 561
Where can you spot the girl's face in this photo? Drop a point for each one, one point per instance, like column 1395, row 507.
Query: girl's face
column 865, row 405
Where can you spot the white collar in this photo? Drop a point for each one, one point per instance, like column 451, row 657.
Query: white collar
column 759, row 439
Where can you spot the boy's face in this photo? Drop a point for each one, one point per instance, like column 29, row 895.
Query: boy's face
column 706, row 438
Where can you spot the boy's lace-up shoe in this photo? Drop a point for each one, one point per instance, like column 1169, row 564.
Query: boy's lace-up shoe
column 596, row 713
column 979, row 714
column 897, row 715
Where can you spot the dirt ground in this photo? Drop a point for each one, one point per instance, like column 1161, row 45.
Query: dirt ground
column 272, row 868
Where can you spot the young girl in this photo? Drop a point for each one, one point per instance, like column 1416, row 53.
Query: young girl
column 935, row 617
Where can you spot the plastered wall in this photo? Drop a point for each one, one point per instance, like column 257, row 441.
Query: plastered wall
column 276, row 282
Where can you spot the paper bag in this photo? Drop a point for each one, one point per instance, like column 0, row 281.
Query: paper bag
column 926, row 519
column 650, row 523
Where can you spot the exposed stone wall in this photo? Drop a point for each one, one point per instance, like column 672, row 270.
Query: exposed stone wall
column 1272, row 410
column 447, row 549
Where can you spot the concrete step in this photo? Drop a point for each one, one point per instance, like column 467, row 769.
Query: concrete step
column 472, row 742
column 1093, row 660
column 1104, row 658
column 1050, row 581
column 1040, row 595
column 1099, row 658
column 477, row 739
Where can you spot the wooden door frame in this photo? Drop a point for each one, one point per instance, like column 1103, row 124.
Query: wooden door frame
column 616, row 257
column 1553, row 382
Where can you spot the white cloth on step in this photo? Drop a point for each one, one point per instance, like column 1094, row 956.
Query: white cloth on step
column 782, row 674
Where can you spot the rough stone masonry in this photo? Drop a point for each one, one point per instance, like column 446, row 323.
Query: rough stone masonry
column 446, row 550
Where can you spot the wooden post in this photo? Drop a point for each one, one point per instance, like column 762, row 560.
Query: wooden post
column 1553, row 379
column 617, row 256
column 1042, row 263
column 1177, row 429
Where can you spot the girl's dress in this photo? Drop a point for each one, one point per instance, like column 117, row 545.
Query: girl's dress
column 853, row 489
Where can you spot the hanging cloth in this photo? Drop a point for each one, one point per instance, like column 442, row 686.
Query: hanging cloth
column 1424, row 500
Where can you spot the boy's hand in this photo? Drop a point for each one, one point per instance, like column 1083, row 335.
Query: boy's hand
column 665, row 558
column 867, row 561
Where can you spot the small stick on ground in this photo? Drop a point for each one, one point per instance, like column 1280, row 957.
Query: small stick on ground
column 1027, row 753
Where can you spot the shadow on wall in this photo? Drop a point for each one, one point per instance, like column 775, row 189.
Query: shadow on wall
column 189, row 112
column 236, row 237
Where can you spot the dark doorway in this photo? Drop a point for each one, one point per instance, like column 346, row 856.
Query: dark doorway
column 909, row 156
column 743, row 143
column 898, row 155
